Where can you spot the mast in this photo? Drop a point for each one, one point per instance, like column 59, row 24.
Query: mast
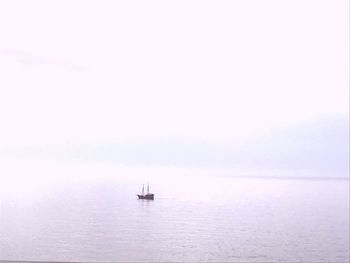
column 143, row 189
column 147, row 188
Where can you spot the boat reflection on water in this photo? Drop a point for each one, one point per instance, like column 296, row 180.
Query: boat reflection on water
column 148, row 195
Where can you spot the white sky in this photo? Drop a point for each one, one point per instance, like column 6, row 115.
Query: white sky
column 212, row 70
column 106, row 69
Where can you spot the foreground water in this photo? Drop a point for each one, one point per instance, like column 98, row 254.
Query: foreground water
column 192, row 219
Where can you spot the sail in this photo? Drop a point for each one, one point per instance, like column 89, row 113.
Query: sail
column 143, row 189
column 147, row 188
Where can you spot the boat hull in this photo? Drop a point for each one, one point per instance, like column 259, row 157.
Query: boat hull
column 146, row 197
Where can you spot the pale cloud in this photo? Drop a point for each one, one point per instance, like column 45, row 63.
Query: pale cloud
column 314, row 149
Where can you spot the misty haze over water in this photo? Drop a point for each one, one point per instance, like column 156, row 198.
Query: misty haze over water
column 235, row 112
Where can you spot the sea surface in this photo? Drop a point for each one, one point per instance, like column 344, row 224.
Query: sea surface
column 192, row 219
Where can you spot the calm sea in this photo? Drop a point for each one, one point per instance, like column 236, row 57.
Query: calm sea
column 192, row 219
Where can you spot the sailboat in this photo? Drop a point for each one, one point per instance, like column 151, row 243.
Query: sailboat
column 148, row 195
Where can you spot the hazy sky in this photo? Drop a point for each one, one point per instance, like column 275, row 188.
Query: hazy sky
column 199, row 79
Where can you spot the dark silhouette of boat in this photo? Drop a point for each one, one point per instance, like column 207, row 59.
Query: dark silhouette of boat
column 148, row 195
